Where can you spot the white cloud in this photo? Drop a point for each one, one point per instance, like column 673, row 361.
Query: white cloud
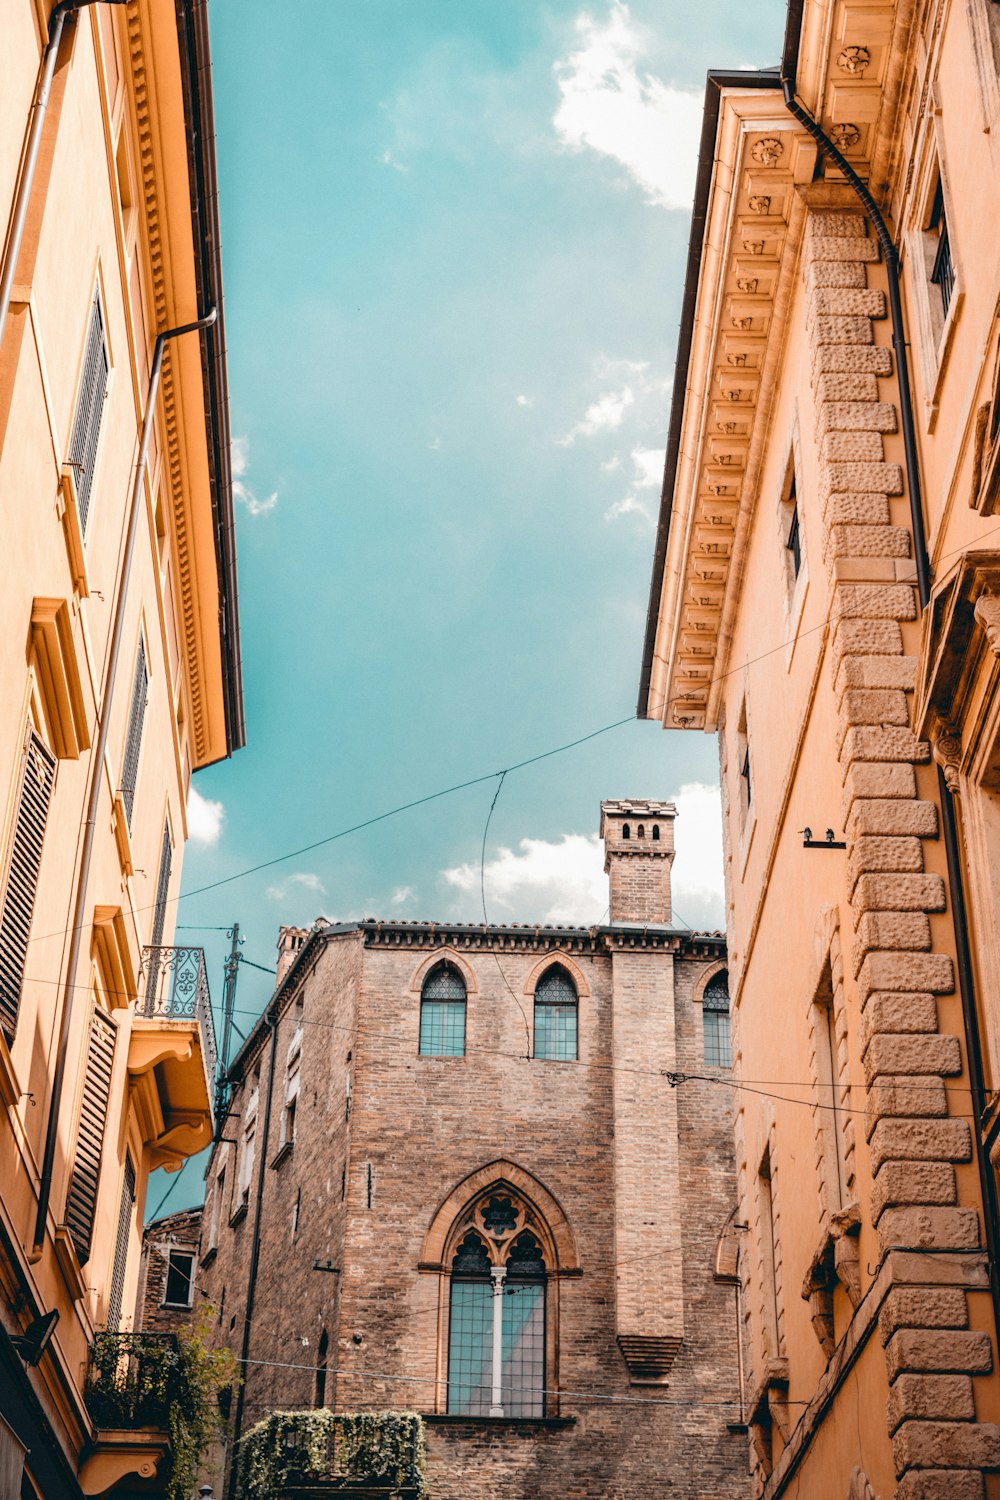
column 388, row 160
column 292, row 885
column 525, row 400
column 402, row 894
column 606, row 414
column 611, row 465
column 630, row 506
column 648, row 466
column 435, row 445
column 563, row 881
column 204, row 818
column 241, row 489
column 609, row 105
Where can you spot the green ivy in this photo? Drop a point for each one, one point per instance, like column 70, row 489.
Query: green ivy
column 296, row 1447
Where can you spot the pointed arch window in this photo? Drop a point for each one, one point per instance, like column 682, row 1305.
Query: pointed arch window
column 715, row 1009
column 496, row 1347
column 556, row 1016
column 442, row 1013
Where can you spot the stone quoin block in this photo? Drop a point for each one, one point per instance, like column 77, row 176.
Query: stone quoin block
column 902, row 930
column 852, row 448
column 920, row 1140
column 941, row 1484
column 923, row 1307
column 867, row 742
column 866, row 637
column 900, row 1183
column 879, row 779
column 830, row 247
column 868, row 541
column 888, row 816
column 855, row 414
column 906, row 971
column 923, row 1227
column 875, row 855
column 851, row 359
column 913, row 1055
column 905, row 1096
column 824, row 222
column 871, row 706
column 938, row 1350
column 874, row 601
column 889, row 671
column 846, row 509
column 933, row 1445
column 835, row 273
column 906, row 1012
column 850, row 387
column 828, row 330
column 930, row 1397
column 845, row 302
column 884, row 479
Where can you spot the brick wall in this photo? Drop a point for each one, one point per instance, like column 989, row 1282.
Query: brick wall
column 180, row 1231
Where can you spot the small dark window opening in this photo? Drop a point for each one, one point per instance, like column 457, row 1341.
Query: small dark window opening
column 793, row 541
column 319, row 1398
column 656, row 832
column 745, row 776
column 640, row 832
column 626, row 831
column 180, row 1269
column 943, row 272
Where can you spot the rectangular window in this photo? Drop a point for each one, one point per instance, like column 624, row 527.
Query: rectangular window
column 291, row 1090
column 36, row 778
column 829, row 1099
column 218, row 1209
column 470, row 1348
column 89, row 411
column 247, row 1153
column 769, row 1257
column 126, row 1208
column 743, row 760
column 179, row 1288
column 81, row 1199
column 162, row 888
column 133, row 735
column 792, row 541
column 943, row 268
column 442, row 1028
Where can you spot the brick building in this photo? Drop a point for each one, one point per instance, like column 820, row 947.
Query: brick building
column 166, row 1297
column 483, row 1194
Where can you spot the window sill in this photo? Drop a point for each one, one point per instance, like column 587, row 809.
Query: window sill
column 176, row 1306
column 451, row 1419
column 239, row 1215
column 282, row 1154
column 209, row 1256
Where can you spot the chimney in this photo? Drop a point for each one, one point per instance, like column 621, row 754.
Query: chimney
column 638, row 851
column 290, row 940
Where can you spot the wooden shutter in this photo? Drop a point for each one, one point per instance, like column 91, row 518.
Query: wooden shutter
column 89, row 410
column 133, row 736
column 34, row 793
column 81, row 1200
column 162, row 888
column 120, row 1265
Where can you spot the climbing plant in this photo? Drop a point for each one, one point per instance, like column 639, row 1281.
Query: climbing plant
column 295, row 1447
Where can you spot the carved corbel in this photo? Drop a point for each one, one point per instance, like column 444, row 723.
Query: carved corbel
column 837, row 1259
column 946, row 747
column 987, row 614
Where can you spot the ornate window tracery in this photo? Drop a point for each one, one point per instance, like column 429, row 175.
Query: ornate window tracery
column 442, row 1013
column 556, row 1016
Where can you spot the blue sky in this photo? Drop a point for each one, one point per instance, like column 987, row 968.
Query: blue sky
column 454, row 235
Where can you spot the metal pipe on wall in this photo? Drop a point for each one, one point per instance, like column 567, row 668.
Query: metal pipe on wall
column 97, row 773
column 36, row 123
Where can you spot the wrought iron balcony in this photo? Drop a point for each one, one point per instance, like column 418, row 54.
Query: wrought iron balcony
column 177, row 990
column 133, row 1379
column 378, row 1455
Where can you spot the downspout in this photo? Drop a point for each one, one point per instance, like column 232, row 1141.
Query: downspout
column 963, row 946
column 234, row 1461
column 97, row 776
column 36, row 124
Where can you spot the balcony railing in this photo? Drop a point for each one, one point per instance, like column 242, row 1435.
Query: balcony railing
column 177, row 990
column 378, row 1454
column 133, row 1379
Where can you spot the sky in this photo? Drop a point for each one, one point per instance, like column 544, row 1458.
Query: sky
column 454, row 236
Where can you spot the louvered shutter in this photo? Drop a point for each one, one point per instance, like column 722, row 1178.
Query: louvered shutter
column 81, row 1200
column 133, row 736
column 89, row 410
column 120, row 1263
column 162, row 888
column 34, row 793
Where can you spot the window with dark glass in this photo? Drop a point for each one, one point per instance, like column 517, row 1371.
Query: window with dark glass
column 502, row 1301
column 442, row 1013
column 715, row 1009
column 793, row 541
column 943, row 269
column 556, row 1016
column 180, row 1279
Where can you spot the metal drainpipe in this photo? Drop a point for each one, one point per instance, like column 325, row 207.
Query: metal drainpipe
column 22, row 195
column 963, row 945
column 234, row 1461
column 97, row 776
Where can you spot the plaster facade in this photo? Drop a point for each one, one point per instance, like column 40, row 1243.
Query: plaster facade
column 786, row 616
column 103, row 1075
column 623, row 1178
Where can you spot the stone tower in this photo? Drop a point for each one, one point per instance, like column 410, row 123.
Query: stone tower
column 638, row 852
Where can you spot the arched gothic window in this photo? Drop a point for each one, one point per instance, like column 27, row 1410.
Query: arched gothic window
column 656, row 832
column 319, row 1394
column 626, row 831
column 496, row 1339
column 442, row 1013
column 556, row 1016
column 715, row 1009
